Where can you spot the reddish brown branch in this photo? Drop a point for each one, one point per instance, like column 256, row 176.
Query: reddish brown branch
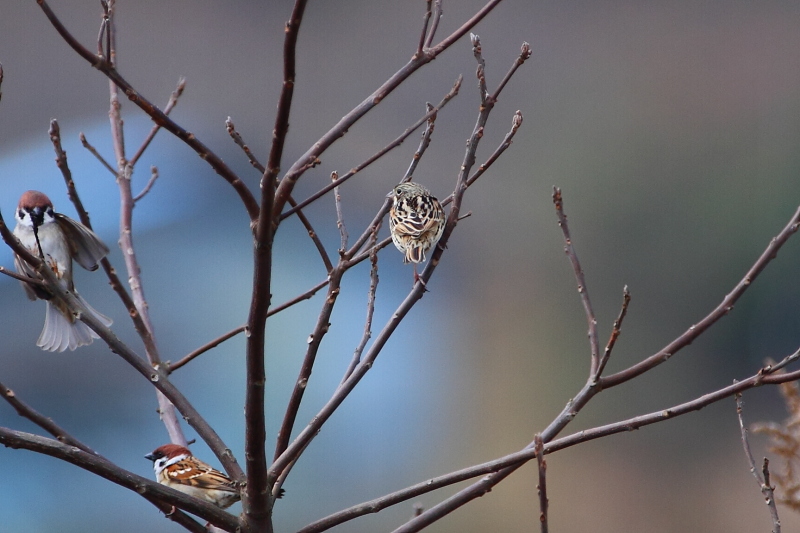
column 312, row 155
column 237, row 138
column 256, row 501
column 173, row 101
column 159, row 117
column 172, row 367
column 162, row 496
column 305, row 296
column 431, row 114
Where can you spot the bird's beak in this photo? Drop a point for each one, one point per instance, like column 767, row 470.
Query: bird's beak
column 390, row 194
column 37, row 217
column 150, row 456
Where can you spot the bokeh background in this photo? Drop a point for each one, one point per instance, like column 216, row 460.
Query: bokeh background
column 673, row 130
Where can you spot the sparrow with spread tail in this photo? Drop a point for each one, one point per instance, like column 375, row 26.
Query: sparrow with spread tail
column 177, row 468
column 57, row 239
column 416, row 222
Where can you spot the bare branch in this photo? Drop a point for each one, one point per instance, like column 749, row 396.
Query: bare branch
column 720, row 311
column 516, row 122
column 380, row 153
column 172, row 367
column 150, row 183
column 106, row 67
column 337, row 199
column 237, row 138
column 47, row 424
column 256, row 515
column 314, row 342
column 425, row 19
column 173, row 100
column 24, row 279
column 437, row 16
column 541, row 488
column 1, row 81
column 615, row 330
column 305, row 296
column 763, row 483
column 294, row 449
column 500, row 468
column 124, row 173
column 95, row 153
column 312, row 155
column 373, row 287
column 151, row 490
column 594, row 343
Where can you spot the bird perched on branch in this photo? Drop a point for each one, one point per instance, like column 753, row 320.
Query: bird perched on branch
column 177, row 468
column 57, row 240
column 416, row 222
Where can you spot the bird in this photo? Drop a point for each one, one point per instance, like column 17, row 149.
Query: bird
column 57, row 239
column 416, row 222
column 177, row 468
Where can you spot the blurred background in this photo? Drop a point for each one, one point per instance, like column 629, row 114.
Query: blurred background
column 673, row 130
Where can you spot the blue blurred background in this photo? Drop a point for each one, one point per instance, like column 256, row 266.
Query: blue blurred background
column 672, row 128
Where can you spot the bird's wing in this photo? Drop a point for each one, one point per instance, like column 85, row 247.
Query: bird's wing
column 26, row 270
column 198, row 474
column 85, row 246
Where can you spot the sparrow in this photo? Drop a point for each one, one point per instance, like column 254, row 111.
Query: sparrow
column 416, row 222
column 57, row 239
column 177, row 468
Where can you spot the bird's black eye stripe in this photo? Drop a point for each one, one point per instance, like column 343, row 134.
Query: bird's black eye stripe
column 21, row 214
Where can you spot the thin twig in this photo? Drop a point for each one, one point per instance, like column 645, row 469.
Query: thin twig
column 516, row 122
column 313, row 154
column 373, row 287
column 109, row 70
column 172, row 367
column 1, row 81
column 46, row 423
column 150, row 183
column 20, row 277
column 95, row 153
column 720, row 311
column 173, row 100
column 425, row 19
column 594, row 343
column 305, row 296
column 314, row 341
column 337, row 199
column 237, row 138
column 763, row 483
column 380, row 153
column 541, row 487
column 615, row 330
column 437, row 16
